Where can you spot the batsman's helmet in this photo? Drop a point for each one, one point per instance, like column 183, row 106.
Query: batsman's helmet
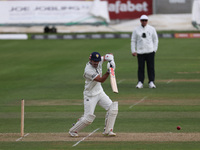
column 95, row 56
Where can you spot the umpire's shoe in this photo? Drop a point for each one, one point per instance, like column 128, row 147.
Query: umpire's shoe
column 139, row 85
column 152, row 85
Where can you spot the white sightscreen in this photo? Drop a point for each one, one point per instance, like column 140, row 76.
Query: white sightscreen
column 49, row 12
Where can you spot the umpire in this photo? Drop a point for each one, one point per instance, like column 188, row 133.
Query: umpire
column 144, row 44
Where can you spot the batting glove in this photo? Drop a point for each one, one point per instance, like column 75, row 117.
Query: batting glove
column 109, row 57
column 111, row 64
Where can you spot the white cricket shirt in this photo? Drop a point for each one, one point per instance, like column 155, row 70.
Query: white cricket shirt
column 92, row 87
column 142, row 45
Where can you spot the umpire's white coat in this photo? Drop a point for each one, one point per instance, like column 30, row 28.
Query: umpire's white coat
column 142, row 45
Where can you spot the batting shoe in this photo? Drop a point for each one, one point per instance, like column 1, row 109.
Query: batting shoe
column 73, row 134
column 109, row 134
column 151, row 85
column 139, row 85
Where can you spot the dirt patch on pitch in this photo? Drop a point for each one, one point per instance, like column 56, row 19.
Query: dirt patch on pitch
column 148, row 101
column 99, row 137
column 179, row 80
column 53, row 102
column 131, row 101
column 48, row 102
column 195, row 72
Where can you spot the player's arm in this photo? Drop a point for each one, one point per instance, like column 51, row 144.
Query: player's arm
column 103, row 78
column 133, row 43
column 155, row 40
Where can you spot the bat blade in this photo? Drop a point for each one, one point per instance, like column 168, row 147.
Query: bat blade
column 113, row 80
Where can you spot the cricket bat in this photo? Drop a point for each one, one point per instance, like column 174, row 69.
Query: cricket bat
column 113, row 80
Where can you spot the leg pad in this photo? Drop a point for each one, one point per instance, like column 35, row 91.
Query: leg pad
column 111, row 117
column 82, row 123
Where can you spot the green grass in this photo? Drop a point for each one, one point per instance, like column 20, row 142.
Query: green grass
column 52, row 71
column 101, row 145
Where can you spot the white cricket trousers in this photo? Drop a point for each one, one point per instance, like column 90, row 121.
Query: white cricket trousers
column 90, row 103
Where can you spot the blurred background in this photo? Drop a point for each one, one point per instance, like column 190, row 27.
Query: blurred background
column 78, row 16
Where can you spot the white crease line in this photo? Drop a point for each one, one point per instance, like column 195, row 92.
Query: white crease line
column 85, row 137
column 26, row 134
column 120, row 81
column 169, row 81
column 138, row 102
column 22, row 137
column 19, row 139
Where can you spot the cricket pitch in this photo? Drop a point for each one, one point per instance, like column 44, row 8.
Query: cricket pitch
column 176, row 137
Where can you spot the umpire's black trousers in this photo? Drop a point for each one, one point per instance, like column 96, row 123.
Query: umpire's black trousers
column 149, row 59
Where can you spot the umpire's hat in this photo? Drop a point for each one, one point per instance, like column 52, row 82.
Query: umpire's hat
column 144, row 17
column 95, row 56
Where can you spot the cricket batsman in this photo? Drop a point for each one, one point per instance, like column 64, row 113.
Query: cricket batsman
column 94, row 94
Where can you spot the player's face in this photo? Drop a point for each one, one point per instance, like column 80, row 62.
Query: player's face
column 144, row 22
column 94, row 63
